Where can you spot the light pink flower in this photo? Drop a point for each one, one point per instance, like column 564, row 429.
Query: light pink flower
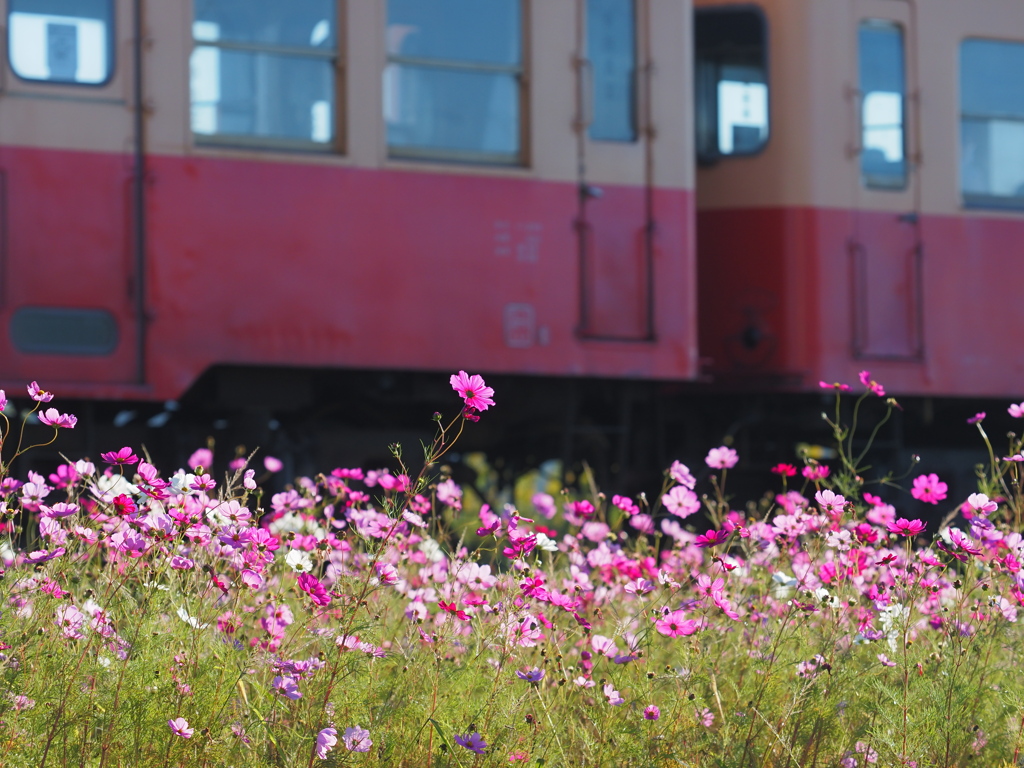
column 722, row 457
column 979, row 502
column 831, row 503
column 179, row 727
column 202, row 457
column 248, row 480
column 287, row 687
column 473, row 391
column 357, row 739
column 681, row 474
column 325, row 741
column 681, row 501
column 929, row 488
column 54, row 418
column 39, row 395
column 272, row 464
column 1016, row 410
column 612, row 695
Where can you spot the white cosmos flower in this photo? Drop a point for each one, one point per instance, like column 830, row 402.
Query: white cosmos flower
column 299, row 561
column 192, row 621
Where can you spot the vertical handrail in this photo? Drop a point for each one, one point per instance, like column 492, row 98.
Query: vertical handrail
column 139, row 196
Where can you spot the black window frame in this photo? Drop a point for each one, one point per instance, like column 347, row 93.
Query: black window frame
column 706, row 113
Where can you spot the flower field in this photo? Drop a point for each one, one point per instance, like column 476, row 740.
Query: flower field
column 371, row 616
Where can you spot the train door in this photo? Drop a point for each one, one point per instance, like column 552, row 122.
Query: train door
column 69, row 198
column 885, row 246
column 615, row 221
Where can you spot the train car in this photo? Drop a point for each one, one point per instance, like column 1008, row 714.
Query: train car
column 501, row 186
column 261, row 201
column 860, row 193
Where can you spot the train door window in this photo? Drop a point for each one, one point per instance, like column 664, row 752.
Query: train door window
column 883, row 90
column 263, row 72
column 61, row 41
column 611, row 52
column 452, row 84
column 731, row 82
column 992, row 123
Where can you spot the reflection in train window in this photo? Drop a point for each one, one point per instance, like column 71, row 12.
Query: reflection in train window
column 992, row 123
column 61, row 41
column 611, row 51
column 264, row 71
column 731, row 82
column 452, row 81
column 882, row 88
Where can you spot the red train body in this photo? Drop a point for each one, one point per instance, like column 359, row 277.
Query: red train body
column 145, row 241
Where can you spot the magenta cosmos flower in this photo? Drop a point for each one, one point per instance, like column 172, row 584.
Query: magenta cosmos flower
column 474, row 742
column 722, row 458
column 675, row 624
column 906, row 527
column 179, row 727
column 473, row 390
column 652, row 712
column 317, row 592
column 929, row 488
column 124, row 456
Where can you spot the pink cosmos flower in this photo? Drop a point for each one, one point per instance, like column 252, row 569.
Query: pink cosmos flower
column 534, row 675
column 786, row 470
column 711, row 539
column 681, row 501
column 681, row 474
column 287, row 687
column 272, row 464
column 179, row 727
column 39, row 395
column 815, row 472
column 325, row 741
column 830, row 503
column 675, row 624
column 979, row 502
column 929, row 488
column 3, row 400
column 706, row 718
column 651, row 712
column 906, row 527
column 309, row 584
column 1016, row 410
column 613, row 696
column 202, row 457
column 54, row 418
column 976, row 418
column 356, row 739
column 722, row 457
column 874, row 386
column 472, row 390
column 834, row 385
column 474, row 742
column 249, row 480
column 123, row 456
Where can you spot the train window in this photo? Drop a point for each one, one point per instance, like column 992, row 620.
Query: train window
column 992, row 124
column 263, row 72
column 731, row 82
column 883, row 89
column 611, row 50
column 452, row 81
column 61, row 41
